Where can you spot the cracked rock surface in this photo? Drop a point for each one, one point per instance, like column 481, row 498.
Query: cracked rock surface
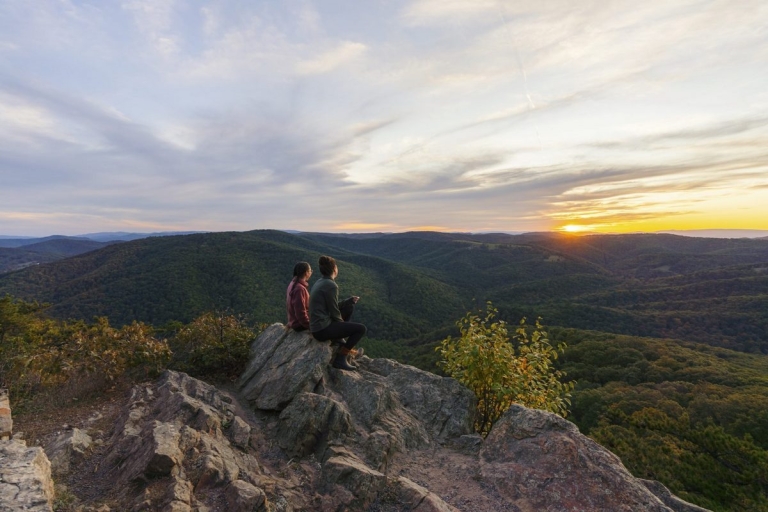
column 25, row 478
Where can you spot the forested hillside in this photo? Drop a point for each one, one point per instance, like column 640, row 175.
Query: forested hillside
column 158, row 280
column 691, row 416
column 713, row 291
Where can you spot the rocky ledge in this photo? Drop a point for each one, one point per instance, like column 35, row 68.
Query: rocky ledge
column 297, row 434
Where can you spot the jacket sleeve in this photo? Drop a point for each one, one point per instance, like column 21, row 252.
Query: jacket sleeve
column 333, row 304
column 303, row 307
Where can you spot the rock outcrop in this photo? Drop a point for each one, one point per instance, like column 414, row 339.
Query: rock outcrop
column 356, row 423
column 539, row 461
column 302, row 436
column 181, row 441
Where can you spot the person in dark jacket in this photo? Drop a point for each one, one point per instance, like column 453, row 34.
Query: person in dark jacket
column 329, row 319
column 297, row 297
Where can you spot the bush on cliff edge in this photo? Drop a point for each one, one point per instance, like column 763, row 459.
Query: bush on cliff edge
column 502, row 371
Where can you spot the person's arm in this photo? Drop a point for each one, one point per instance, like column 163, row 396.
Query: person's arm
column 301, row 307
column 332, row 298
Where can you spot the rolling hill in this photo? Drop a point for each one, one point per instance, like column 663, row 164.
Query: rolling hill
column 16, row 254
column 414, row 285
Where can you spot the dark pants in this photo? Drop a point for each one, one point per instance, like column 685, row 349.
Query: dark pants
column 338, row 330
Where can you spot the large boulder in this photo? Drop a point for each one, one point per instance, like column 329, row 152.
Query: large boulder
column 541, row 462
column 354, row 422
column 283, row 364
column 413, row 407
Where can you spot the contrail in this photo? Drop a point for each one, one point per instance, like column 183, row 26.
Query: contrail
column 525, row 75
column 521, row 68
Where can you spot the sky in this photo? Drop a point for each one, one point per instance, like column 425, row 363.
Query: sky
column 383, row 115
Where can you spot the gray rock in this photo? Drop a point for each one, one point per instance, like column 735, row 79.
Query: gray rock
column 244, row 497
column 173, row 431
column 215, row 470
column 420, row 499
column 378, row 448
column 240, row 432
column 443, row 405
column 70, row 446
column 161, row 455
column 344, row 469
column 670, row 499
column 375, row 405
column 469, row 443
column 179, row 490
column 25, row 478
column 309, row 422
column 540, row 462
column 177, row 506
column 284, row 364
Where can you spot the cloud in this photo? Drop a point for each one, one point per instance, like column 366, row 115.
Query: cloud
column 425, row 12
column 154, row 20
column 462, row 114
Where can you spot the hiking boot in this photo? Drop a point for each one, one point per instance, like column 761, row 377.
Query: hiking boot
column 340, row 362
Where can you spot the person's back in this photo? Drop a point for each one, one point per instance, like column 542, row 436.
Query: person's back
column 297, row 297
column 323, row 304
column 326, row 320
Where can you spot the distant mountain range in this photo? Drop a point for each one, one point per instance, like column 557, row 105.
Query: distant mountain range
column 21, row 252
column 416, row 285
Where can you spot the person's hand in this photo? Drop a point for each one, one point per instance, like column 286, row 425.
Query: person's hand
column 355, row 298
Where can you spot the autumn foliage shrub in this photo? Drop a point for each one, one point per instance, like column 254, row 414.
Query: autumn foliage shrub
column 38, row 353
column 502, row 371
column 215, row 344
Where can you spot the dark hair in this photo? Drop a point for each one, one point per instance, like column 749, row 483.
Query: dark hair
column 300, row 269
column 327, row 265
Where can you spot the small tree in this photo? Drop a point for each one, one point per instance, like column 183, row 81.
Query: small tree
column 500, row 371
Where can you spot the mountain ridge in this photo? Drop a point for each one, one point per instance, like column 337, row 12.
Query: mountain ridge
column 647, row 285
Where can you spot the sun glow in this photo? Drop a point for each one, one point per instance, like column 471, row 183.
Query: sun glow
column 573, row 228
